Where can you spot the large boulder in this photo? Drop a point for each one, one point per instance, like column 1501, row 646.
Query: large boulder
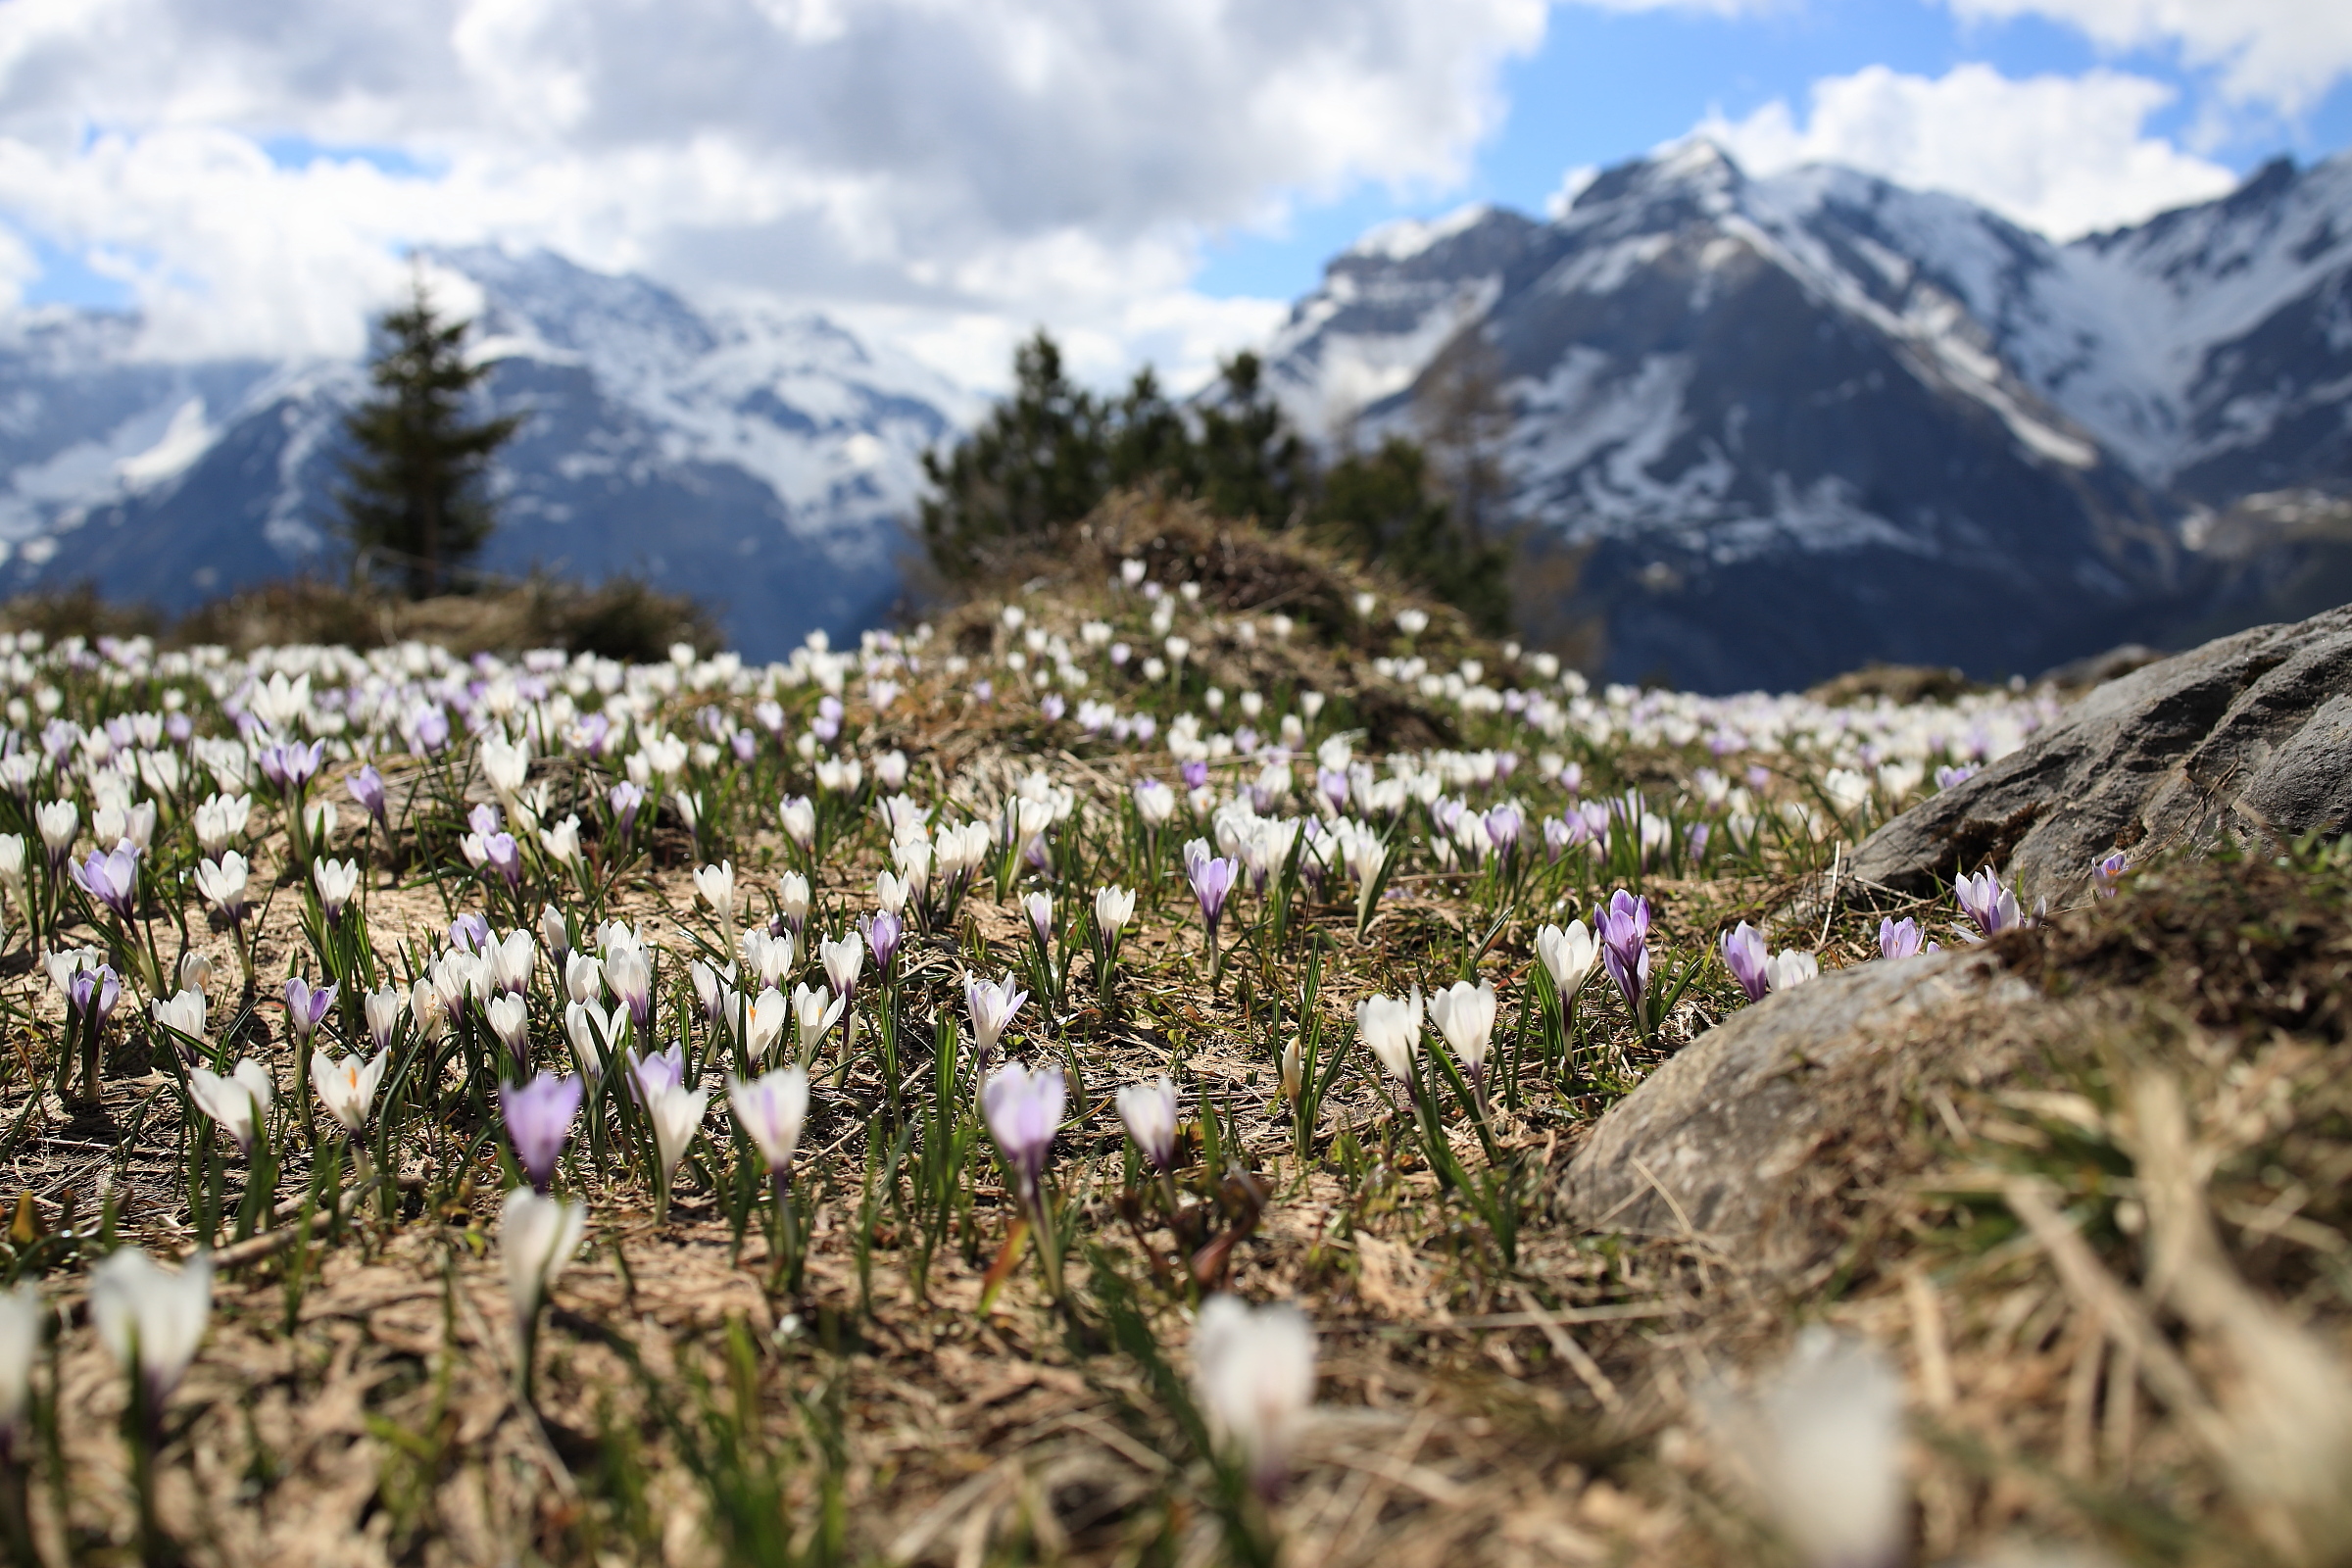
column 1730, row 1142
column 2250, row 735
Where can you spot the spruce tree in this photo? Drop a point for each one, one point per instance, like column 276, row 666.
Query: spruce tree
column 414, row 504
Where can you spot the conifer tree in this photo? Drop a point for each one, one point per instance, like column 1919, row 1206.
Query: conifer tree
column 413, row 500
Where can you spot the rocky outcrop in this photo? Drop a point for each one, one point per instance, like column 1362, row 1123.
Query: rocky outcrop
column 1728, row 1142
column 2248, row 736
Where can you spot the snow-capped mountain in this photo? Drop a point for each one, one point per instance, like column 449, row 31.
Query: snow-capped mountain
column 761, row 461
column 1764, row 429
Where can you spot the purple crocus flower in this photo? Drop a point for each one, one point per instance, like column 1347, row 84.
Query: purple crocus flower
column 1744, row 955
column 884, row 931
column 661, row 1071
column 1212, row 879
column 1982, row 899
column 179, row 728
column 538, row 1117
column 1194, row 774
column 430, row 726
column 1559, row 833
column 299, row 762
column 112, row 878
column 624, row 800
column 1503, row 825
column 505, row 857
column 1052, row 707
column 1900, row 939
column 1623, row 925
column 470, row 931
column 94, row 993
column 1332, row 784
column 2107, row 872
column 307, row 1005
column 1023, row 1110
column 366, row 787
column 484, row 819
column 746, row 745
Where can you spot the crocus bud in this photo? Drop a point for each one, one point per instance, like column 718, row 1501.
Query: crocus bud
column 1464, row 1014
column 1391, row 1029
column 1568, row 956
column 1149, row 1112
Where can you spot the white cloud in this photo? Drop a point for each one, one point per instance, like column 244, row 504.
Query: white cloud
column 2283, row 53
column 954, row 162
column 2066, row 155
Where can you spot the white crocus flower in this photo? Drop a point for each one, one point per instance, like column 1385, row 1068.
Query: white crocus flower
column 151, row 1315
column 337, row 881
column 792, row 897
column 815, row 1009
column 763, row 1022
column 511, row 1020
column 536, row 1239
column 426, row 1007
column 1113, row 908
column 1464, row 1014
column 1150, row 1113
column 676, row 1114
column 583, row 977
column 511, row 959
column 220, row 822
column 562, row 841
column 715, row 885
column 238, row 1100
column 224, row 882
column 992, row 1004
column 347, row 1088
column 798, row 816
column 769, row 958
column 183, row 1013
column 58, row 822
column 504, row 765
column 1789, row 967
column 382, row 1010
column 1391, row 1029
column 594, row 1033
column 843, row 960
column 1568, row 956
column 772, row 1109
column 1253, row 1373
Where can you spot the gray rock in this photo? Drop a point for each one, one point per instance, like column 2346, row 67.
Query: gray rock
column 1723, row 1140
column 2250, row 735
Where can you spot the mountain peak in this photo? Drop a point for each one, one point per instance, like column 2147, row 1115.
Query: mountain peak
column 1694, row 167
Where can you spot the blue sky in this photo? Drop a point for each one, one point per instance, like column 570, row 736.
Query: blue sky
column 1608, row 86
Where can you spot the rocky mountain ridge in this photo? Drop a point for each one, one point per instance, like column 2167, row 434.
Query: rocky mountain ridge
column 759, row 460
column 1760, row 430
